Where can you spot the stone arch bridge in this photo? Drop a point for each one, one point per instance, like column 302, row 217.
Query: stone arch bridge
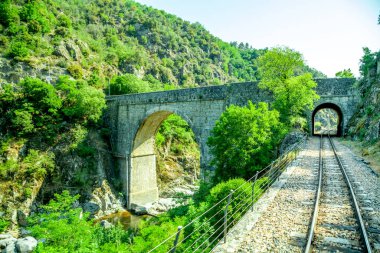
column 135, row 118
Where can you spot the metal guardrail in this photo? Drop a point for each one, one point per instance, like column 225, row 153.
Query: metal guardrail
column 213, row 224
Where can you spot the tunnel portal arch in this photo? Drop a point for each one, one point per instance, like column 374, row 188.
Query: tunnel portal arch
column 338, row 111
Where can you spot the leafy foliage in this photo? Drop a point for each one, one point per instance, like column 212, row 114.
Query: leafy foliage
column 42, row 115
column 177, row 152
column 65, row 229
column 345, row 73
column 81, row 101
column 367, row 62
column 128, row 83
column 3, row 224
column 62, row 227
column 174, row 128
column 123, row 37
column 34, row 106
column 363, row 125
column 281, row 72
column 243, row 140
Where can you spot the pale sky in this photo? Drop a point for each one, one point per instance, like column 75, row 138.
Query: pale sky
column 329, row 33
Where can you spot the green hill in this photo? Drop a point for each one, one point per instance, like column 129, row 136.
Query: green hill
column 97, row 39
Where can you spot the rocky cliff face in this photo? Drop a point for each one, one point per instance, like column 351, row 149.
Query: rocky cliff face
column 365, row 125
column 84, row 171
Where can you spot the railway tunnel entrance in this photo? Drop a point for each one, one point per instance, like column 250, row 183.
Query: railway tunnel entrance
column 160, row 155
column 327, row 118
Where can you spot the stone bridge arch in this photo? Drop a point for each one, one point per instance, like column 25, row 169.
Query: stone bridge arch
column 143, row 179
column 334, row 107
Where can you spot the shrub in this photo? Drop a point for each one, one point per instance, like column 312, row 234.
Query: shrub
column 8, row 169
column 81, row 102
column 64, row 21
column 37, row 164
column 8, row 13
column 211, row 224
column 23, row 122
column 62, row 32
column 34, row 27
column 18, row 49
column 243, row 140
column 75, row 70
column 4, row 224
column 241, row 195
column 63, row 229
column 128, row 83
column 43, row 95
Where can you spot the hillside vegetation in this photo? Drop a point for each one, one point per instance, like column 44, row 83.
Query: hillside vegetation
column 364, row 127
column 97, row 39
column 58, row 59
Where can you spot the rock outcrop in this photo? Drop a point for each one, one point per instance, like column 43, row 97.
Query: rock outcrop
column 9, row 244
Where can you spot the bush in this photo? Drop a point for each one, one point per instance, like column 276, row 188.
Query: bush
column 128, row 83
column 43, row 96
column 8, row 13
column 4, row 224
column 211, row 224
column 37, row 164
column 18, row 49
column 63, row 228
column 8, row 169
column 64, row 21
column 80, row 101
column 243, row 140
column 75, row 70
column 23, row 122
column 241, row 195
column 34, row 27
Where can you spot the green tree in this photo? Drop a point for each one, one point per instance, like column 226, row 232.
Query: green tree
column 42, row 95
column 81, row 102
column 280, row 70
column 23, row 121
column 18, row 49
column 128, row 83
column 243, row 140
column 345, row 73
column 8, row 13
column 367, row 62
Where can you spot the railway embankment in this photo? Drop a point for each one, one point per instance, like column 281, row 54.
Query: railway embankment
column 281, row 220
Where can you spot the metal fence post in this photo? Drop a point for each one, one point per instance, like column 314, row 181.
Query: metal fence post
column 176, row 240
column 253, row 190
column 225, row 216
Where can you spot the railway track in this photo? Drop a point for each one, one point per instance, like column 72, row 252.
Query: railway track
column 337, row 224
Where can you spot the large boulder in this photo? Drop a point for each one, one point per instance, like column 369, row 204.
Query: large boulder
column 26, row 245
column 7, row 243
column 91, row 207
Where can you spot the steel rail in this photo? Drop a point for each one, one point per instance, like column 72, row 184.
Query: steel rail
column 363, row 231
column 316, row 203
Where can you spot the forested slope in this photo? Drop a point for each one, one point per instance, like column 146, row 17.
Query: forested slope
column 97, row 39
